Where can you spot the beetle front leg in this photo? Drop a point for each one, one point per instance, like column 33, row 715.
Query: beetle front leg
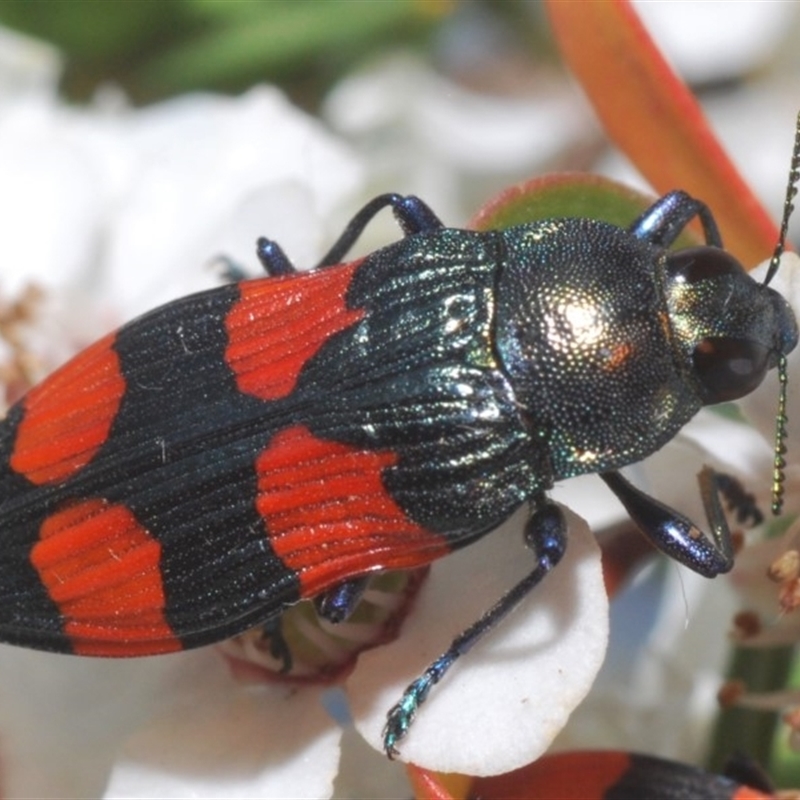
column 545, row 534
column 663, row 222
column 674, row 534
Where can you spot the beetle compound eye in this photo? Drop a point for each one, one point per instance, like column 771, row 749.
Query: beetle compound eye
column 697, row 264
column 729, row 368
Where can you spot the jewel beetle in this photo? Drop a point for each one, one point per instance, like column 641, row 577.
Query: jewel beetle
column 618, row 775
column 235, row 451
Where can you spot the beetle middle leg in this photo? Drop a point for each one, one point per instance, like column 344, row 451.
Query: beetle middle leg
column 413, row 214
column 545, row 534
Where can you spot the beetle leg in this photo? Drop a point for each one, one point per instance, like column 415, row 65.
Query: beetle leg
column 674, row 534
column 272, row 629
column 229, row 271
column 545, row 534
column 273, row 259
column 338, row 603
column 663, row 222
column 413, row 215
column 740, row 501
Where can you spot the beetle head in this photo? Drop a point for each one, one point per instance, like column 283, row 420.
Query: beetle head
column 730, row 329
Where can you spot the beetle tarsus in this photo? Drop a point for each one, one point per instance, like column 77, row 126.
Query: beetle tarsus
column 740, row 502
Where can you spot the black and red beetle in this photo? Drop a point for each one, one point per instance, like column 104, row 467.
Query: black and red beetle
column 222, row 457
column 617, row 775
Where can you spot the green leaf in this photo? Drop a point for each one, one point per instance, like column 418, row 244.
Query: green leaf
column 277, row 37
column 568, row 195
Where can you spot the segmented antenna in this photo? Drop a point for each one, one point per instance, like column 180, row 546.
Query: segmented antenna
column 788, row 205
column 779, row 462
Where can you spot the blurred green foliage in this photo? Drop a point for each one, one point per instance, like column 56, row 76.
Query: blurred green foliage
column 157, row 48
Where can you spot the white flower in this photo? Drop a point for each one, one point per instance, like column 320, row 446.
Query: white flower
column 506, row 700
column 766, row 574
column 671, row 630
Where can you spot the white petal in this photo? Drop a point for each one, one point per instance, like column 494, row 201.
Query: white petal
column 710, row 42
column 729, row 446
column 503, row 703
column 669, row 639
column 191, row 165
column 365, row 773
column 760, row 594
column 216, row 738
column 50, row 204
column 27, row 66
column 63, row 719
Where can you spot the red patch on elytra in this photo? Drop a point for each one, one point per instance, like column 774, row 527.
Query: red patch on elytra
column 101, row 568
column 68, row 416
column 279, row 323
column 328, row 514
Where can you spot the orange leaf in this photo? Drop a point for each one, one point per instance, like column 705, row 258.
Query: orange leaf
column 652, row 116
column 428, row 785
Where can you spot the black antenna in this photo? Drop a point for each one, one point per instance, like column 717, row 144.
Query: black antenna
column 788, row 205
column 779, row 462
